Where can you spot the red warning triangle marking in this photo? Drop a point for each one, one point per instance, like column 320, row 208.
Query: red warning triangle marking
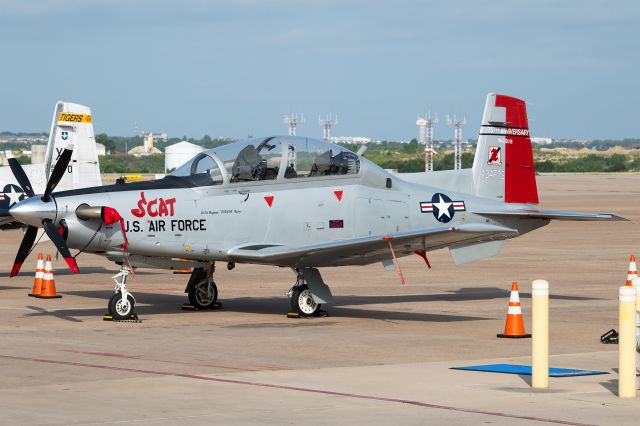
column 269, row 199
column 338, row 193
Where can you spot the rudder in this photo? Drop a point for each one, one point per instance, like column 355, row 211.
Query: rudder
column 503, row 167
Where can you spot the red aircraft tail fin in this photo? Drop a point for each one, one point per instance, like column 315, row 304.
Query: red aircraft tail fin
column 503, row 166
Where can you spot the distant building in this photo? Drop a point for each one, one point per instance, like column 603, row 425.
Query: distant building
column 350, row 139
column 24, row 138
column 179, row 153
column 38, row 154
column 101, row 149
column 156, row 136
column 542, row 141
column 147, row 148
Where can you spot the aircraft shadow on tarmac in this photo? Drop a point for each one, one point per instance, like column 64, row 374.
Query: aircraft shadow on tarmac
column 65, row 314
column 462, row 294
column 158, row 303
column 7, row 287
column 85, row 270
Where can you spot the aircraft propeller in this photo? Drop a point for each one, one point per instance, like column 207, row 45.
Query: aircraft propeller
column 21, row 177
column 37, row 210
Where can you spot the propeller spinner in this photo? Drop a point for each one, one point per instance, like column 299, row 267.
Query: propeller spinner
column 40, row 211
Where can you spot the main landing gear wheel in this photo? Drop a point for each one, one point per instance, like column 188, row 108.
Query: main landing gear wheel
column 302, row 301
column 203, row 294
column 119, row 309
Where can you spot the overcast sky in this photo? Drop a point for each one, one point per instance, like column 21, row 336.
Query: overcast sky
column 232, row 68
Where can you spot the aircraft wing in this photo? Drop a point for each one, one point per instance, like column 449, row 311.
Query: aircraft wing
column 366, row 250
column 553, row 215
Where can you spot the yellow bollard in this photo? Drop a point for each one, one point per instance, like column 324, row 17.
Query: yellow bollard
column 540, row 334
column 636, row 284
column 627, row 343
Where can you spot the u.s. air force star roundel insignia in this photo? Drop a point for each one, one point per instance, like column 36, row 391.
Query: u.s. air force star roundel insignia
column 442, row 207
column 11, row 194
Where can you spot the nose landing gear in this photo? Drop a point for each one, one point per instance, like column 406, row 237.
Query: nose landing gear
column 121, row 305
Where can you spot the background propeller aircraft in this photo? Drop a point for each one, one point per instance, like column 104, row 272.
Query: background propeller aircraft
column 299, row 203
column 72, row 123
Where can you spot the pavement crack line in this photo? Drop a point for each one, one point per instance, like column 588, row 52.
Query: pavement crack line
column 298, row 389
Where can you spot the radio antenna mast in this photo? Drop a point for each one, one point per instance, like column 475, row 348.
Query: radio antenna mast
column 457, row 142
column 292, row 120
column 326, row 124
column 425, row 137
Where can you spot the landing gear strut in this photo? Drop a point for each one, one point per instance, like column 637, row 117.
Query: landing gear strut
column 122, row 303
column 302, row 301
column 202, row 291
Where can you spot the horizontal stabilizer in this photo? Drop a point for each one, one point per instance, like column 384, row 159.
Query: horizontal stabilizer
column 553, row 215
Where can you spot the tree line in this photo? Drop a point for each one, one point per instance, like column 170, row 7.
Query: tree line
column 404, row 157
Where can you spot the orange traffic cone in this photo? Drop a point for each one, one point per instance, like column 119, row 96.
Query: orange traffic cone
column 514, row 327
column 48, row 285
column 37, row 282
column 633, row 270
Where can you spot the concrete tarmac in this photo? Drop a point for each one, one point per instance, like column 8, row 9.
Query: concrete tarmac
column 382, row 356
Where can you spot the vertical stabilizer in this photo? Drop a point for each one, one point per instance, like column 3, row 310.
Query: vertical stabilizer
column 503, row 166
column 73, row 123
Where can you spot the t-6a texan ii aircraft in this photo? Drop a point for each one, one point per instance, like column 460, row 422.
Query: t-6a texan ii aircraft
column 72, row 123
column 299, row 203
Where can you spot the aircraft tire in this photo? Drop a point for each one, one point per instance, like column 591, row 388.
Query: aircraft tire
column 302, row 301
column 117, row 310
column 199, row 295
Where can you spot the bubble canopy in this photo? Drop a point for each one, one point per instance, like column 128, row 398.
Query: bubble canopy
column 270, row 158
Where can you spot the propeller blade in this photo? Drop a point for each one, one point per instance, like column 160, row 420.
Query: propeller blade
column 60, row 243
column 25, row 247
column 21, row 176
column 58, row 171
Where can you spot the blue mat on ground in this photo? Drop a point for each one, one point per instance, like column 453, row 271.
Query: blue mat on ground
column 526, row 370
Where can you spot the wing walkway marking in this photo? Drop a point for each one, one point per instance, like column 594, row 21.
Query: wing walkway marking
column 299, row 389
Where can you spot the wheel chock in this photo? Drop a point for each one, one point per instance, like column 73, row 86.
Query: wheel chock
column 132, row 318
column 190, row 307
column 610, row 337
column 318, row 314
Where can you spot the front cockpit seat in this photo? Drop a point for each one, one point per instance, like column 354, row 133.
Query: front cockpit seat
column 290, row 172
column 248, row 165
